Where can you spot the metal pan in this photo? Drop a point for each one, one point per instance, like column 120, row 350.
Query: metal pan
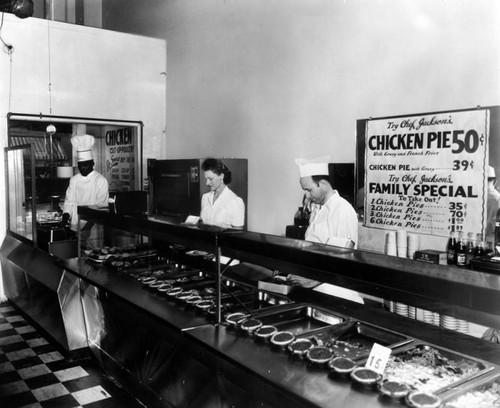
column 480, row 392
column 433, row 369
column 301, row 319
column 354, row 340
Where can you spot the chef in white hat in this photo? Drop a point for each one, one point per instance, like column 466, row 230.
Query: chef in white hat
column 88, row 187
column 333, row 220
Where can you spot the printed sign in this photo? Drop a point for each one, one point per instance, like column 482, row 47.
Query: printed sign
column 378, row 358
column 427, row 174
column 120, row 145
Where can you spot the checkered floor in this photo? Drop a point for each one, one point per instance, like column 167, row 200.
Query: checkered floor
column 34, row 374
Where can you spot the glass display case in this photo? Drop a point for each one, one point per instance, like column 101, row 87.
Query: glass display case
column 41, row 160
column 21, row 204
column 39, row 163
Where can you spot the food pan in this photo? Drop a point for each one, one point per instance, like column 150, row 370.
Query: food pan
column 354, row 340
column 432, row 369
column 249, row 302
column 164, row 275
column 196, row 282
column 229, row 286
column 482, row 394
column 163, row 267
column 256, row 300
column 233, row 283
column 301, row 319
column 134, row 263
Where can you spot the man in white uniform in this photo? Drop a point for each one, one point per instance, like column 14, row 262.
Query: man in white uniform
column 221, row 206
column 492, row 206
column 333, row 220
column 88, row 187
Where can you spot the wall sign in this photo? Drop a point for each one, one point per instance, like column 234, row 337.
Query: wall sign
column 120, row 152
column 427, row 173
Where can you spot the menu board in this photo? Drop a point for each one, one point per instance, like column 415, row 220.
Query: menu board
column 120, row 152
column 427, row 173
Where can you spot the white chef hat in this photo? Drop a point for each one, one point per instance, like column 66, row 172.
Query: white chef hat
column 491, row 172
column 83, row 145
column 313, row 167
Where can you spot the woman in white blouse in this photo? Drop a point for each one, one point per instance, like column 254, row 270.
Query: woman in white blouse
column 221, row 206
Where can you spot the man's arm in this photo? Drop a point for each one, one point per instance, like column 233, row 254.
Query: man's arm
column 102, row 193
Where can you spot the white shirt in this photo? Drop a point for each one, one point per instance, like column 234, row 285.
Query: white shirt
column 228, row 211
column 334, row 219
column 90, row 190
column 331, row 223
column 492, row 206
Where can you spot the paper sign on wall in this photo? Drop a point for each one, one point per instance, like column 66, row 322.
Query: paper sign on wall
column 120, row 152
column 427, row 174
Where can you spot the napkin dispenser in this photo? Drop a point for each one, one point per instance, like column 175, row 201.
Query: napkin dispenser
column 128, row 202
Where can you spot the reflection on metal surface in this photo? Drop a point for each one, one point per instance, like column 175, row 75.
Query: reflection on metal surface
column 32, row 283
column 155, row 359
column 301, row 319
column 72, row 312
column 93, row 314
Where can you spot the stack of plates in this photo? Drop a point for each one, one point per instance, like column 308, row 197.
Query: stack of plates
column 401, row 309
column 437, row 319
column 463, row 326
column 428, row 316
column 448, row 322
column 412, row 312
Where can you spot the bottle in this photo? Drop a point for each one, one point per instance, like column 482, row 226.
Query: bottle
column 461, row 251
column 301, row 218
column 480, row 246
column 471, row 252
column 451, row 257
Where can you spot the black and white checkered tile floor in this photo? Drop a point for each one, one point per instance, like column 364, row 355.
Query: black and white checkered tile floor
column 34, row 374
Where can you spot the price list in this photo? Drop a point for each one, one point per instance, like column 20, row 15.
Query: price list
column 426, row 174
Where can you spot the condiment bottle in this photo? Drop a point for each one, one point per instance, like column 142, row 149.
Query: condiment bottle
column 471, row 251
column 480, row 246
column 451, row 254
column 301, row 217
column 461, row 251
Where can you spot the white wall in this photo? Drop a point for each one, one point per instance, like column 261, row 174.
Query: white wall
column 271, row 80
column 93, row 74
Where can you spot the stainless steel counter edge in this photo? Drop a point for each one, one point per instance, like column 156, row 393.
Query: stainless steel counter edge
column 307, row 384
column 134, row 293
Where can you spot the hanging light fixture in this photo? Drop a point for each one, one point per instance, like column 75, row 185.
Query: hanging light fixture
column 51, row 129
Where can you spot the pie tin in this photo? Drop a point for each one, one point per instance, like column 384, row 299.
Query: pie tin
column 319, row 360
column 394, row 389
column 342, row 365
column 299, row 347
column 366, row 376
column 289, row 337
column 266, row 331
column 427, row 400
